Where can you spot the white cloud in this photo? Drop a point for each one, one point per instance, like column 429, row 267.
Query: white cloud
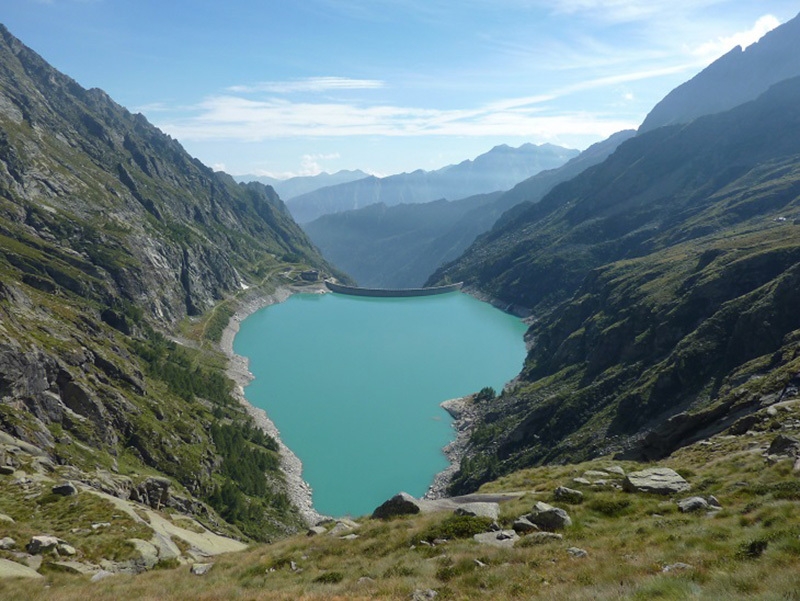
column 309, row 84
column 310, row 163
column 721, row 45
column 233, row 118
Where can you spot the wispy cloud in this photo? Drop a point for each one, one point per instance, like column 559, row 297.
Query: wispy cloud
column 309, row 84
column 623, row 11
column 234, row 118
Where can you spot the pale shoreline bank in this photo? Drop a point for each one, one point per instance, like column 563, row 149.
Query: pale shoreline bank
column 297, row 489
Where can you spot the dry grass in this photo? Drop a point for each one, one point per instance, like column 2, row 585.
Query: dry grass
column 749, row 550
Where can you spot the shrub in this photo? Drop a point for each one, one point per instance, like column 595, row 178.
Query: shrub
column 330, row 578
column 457, row 526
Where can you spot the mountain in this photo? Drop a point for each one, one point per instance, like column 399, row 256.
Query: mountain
column 400, row 246
column 114, row 245
column 390, row 247
column 664, row 284
column 499, row 169
column 736, row 78
column 296, row 186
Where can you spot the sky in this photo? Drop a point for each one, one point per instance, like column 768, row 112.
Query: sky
column 294, row 87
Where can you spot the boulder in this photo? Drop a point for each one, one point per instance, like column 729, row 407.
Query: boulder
column 76, row 567
column 616, row 470
column 315, row 530
column 503, row 538
column 524, row 526
column 784, row 445
column 12, row 569
column 64, row 549
column 101, row 575
column 201, row 569
column 400, row 504
column 691, row 504
column 544, row 537
column 548, row 517
column 65, row 489
column 581, row 481
column 658, row 480
column 568, row 495
column 486, row 510
column 343, row 527
column 147, row 551
column 42, row 544
column 153, row 491
column 7, row 543
column 577, row 552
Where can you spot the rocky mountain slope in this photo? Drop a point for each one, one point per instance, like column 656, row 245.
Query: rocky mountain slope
column 662, row 283
column 114, row 245
column 400, row 246
column 499, row 169
column 738, row 77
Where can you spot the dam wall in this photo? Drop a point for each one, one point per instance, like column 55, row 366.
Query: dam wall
column 392, row 292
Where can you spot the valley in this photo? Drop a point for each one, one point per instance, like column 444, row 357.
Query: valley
column 644, row 444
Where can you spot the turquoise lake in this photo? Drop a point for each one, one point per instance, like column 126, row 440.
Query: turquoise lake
column 354, row 385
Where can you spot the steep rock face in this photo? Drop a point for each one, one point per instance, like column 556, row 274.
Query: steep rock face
column 662, row 282
column 110, row 234
column 738, row 77
column 80, row 171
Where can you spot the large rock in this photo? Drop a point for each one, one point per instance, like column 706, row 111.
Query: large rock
column 548, row 517
column 568, row 495
column 400, row 504
column 11, row 569
column 65, row 489
column 784, row 445
column 153, row 491
column 485, row 510
column 42, row 544
column 658, row 480
column 692, row 504
column 504, row 538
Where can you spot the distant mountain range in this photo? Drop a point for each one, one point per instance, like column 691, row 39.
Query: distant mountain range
column 401, row 246
column 296, row 186
column 737, row 77
column 499, row 169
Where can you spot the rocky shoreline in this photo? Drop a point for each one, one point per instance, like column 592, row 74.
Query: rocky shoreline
column 463, row 413
column 297, row 489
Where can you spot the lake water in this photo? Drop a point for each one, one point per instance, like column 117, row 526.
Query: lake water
column 354, row 385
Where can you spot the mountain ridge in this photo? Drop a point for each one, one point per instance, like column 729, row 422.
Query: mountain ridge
column 498, row 169
column 739, row 76
column 678, row 242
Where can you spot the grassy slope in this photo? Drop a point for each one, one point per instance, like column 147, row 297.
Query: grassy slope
column 663, row 280
column 748, row 550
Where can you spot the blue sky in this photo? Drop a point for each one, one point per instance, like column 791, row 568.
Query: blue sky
column 292, row 87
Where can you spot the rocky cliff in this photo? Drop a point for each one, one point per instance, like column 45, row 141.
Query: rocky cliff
column 112, row 241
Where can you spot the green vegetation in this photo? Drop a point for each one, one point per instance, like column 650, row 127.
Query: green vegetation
column 664, row 282
column 639, row 546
